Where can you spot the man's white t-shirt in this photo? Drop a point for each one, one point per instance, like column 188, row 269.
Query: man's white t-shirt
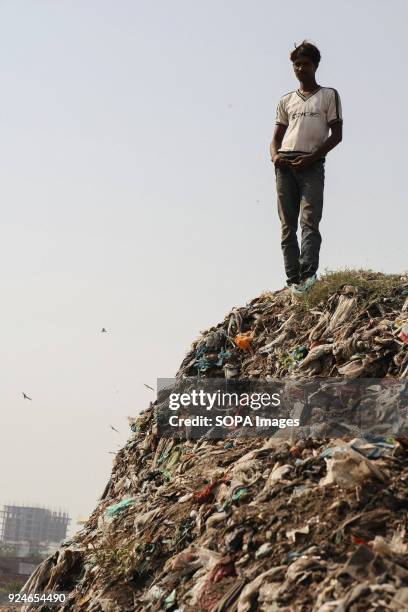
column 308, row 119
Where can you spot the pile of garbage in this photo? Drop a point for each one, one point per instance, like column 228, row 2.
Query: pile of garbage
column 256, row 523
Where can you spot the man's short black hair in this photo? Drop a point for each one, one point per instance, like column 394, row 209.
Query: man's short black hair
column 308, row 49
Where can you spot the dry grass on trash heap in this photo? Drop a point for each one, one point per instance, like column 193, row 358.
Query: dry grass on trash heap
column 255, row 524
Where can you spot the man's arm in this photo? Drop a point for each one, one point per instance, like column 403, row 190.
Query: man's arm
column 333, row 140
column 277, row 143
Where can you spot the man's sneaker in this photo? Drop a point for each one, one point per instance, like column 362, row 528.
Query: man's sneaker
column 297, row 290
column 304, row 287
column 289, row 287
column 308, row 283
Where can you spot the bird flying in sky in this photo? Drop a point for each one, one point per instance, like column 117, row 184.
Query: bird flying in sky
column 26, row 397
column 148, row 387
column 112, row 427
column 104, row 331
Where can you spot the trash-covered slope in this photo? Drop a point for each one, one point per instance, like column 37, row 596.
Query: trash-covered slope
column 253, row 523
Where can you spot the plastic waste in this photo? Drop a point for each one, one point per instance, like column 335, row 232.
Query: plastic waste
column 120, row 507
column 244, row 341
column 264, row 550
column 348, row 468
column 242, row 524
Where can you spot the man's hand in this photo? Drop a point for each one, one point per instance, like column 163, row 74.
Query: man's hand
column 303, row 161
column 279, row 161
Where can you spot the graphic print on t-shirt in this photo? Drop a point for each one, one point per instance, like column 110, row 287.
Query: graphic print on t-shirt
column 308, row 118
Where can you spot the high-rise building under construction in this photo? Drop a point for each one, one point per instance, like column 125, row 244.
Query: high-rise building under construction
column 37, row 527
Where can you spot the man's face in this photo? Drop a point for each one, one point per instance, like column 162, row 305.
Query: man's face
column 304, row 68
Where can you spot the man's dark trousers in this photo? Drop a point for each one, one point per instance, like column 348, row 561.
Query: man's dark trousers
column 300, row 192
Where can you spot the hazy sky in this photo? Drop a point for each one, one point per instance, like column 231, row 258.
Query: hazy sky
column 137, row 194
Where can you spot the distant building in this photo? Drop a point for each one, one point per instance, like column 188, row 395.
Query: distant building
column 31, row 530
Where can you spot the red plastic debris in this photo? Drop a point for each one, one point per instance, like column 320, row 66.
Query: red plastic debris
column 206, row 494
column 360, row 541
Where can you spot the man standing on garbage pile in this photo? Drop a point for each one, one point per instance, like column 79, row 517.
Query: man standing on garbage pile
column 300, row 143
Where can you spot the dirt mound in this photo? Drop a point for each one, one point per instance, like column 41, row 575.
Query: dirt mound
column 258, row 523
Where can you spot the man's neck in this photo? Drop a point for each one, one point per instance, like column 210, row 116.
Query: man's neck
column 308, row 87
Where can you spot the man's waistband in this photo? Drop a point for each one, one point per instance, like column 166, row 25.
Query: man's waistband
column 296, row 153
